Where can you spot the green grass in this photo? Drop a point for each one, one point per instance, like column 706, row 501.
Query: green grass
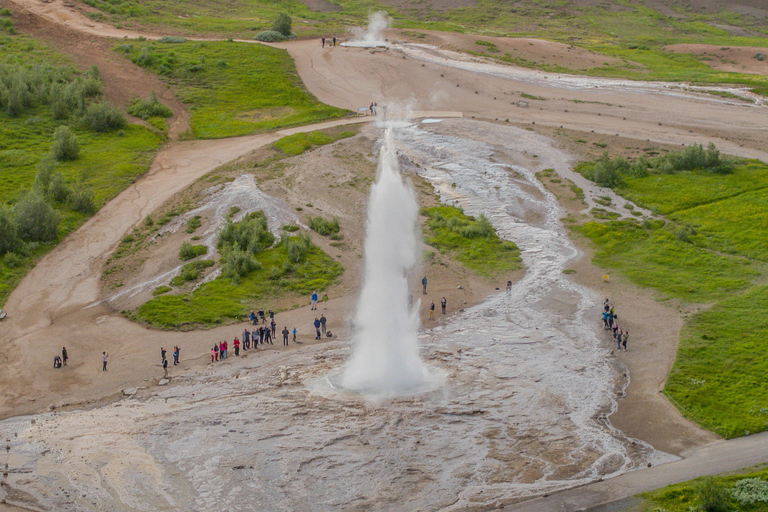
column 230, row 88
column 669, row 193
column 683, row 497
column 711, row 251
column 654, row 257
column 108, row 162
column 473, row 242
column 719, row 375
column 298, row 143
column 222, row 301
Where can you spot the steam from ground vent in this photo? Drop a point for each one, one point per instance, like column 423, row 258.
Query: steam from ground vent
column 385, row 358
column 371, row 36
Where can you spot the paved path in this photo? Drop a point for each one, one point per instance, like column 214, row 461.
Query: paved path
column 714, row 458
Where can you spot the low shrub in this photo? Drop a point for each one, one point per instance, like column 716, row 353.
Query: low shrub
column 64, row 146
column 13, row 260
column 750, row 490
column 193, row 223
column 81, row 200
column 236, row 264
column 161, row 290
column 251, row 234
column 713, row 496
column 189, row 251
column 323, row 226
column 8, row 235
column 172, row 39
column 269, row 36
column 103, row 117
column 297, row 247
column 151, row 107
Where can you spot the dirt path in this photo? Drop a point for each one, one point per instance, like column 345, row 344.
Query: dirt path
column 719, row 457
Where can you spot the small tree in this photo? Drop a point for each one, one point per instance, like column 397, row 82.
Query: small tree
column 283, row 24
column 7, row 232
column 35, row 220
column 64, row 146
column 103, row 117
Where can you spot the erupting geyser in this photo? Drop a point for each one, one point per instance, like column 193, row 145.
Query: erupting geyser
column 385, row 358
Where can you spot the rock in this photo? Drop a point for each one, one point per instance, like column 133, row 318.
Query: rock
column 459, row 287
column 51, row 407
column 130, row 391
column 163, row 382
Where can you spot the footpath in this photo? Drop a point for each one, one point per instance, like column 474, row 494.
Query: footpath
column 718, row 457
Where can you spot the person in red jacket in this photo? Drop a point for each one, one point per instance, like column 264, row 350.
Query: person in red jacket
column 236, row 343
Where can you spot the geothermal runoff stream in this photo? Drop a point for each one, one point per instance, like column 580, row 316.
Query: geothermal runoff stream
column 524, row 407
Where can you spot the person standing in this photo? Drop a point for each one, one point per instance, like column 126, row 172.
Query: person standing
column 221, row 350
column 313, row 300
column 226, row 349
column 214, row 354
column 317, row 328
column 617, row 334
column 424, row 284
column 334, row 40
column 509, row 286
column 624, row 339
column 255, row 338
column 216, row 351
column 285, row 335
column 64, row 355
column 322, row 323
column 162, row 354
column 104, row 357
column 236, row 343
column 443, row 303
column 323, row 41
column 246, row 339
column 261, row 335
column 273, row 325
column 176, row 351
column 432, row 311
column 165, row 368
column 268, row 336
column 294, row 335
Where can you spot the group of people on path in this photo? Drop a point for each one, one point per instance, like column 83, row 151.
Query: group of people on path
column 331, row 41
column 443, row 301
column 611, row 322
column 58, row 362
column 164, row 359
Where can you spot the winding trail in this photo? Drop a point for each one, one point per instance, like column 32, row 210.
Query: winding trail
column 57, row 302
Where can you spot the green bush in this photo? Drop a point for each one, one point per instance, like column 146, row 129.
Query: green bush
column 713, row 496
column 193, row 223
column 251, row 234
column 323, row 226
column 189, row 251
column 58, row 190
column 236, row 264
column 103, row 117
column 64, row 146
column 191, row 272
column 161, row 290
column 750, row 490
column 13, row 260
column 151, row 107
column 8, row 236
column 297, row 247
column 81, row 200
column 35, row 220
column 282, row 24
column 172, row 39
column 269, row 36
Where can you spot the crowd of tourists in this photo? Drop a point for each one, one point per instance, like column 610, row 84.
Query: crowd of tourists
column 611, row 323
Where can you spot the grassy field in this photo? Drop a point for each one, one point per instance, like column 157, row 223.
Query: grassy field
column 231, row 88
column 711, row 251
column 473, row 242
column 107, row 162
column 222, row 300
column 687, row 496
